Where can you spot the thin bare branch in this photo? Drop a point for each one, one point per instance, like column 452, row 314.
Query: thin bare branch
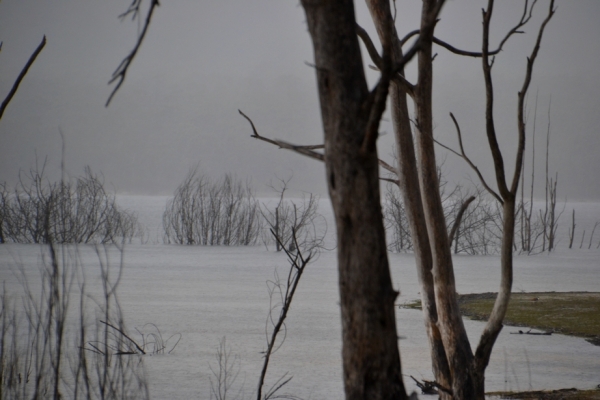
column 378, row 97
column 294, row 275
column 523, row 94
column 490, row 128
column 366, row 39
column 125, row 336
column 525, row 17
column 15, row 86
column 401, row 81
column 460, row 52
column 459, row 217
column 308, row 150
column 121, row 71
column 304, row 150
column 377, row 100
column 394, row 181
column 255, row 134
column 464, row 156
column 408, row 36
column 527, row 12
column 388, row 167
column 430, row 24
column 391, row 169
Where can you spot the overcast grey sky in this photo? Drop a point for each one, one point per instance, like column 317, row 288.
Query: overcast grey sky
column 203, row 60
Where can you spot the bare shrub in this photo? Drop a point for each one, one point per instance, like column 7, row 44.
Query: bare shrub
column 44, row 340
column 477, row 230
column 396, row 221
column 212, row 213
column 291, row 218
column 480, row 229
column 225, row 374
column 79, row 211
column 535, row 229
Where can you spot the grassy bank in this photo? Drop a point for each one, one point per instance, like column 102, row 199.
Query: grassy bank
column 568, row 313
column 562, row 394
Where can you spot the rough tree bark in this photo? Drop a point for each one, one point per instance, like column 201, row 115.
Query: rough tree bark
column 350, row 116
column 454, row 336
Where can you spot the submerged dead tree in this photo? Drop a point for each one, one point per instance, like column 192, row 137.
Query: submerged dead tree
column 290, row 221
column 69, row 211
column 207, row 213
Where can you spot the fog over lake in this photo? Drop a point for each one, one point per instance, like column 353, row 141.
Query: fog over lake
column 177, row 110
column 202, row 61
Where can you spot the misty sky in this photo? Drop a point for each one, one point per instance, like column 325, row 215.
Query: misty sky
column 203, row 60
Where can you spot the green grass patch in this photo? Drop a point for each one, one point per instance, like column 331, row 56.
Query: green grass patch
column 568, row 313
column 562, row 394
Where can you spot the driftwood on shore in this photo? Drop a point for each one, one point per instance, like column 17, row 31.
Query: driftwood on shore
column 529, row 332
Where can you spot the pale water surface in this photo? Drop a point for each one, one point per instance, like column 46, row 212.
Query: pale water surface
column 206, row 293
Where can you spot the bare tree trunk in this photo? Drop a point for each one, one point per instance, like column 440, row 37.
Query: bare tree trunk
column 530, row 214
column 454, row 337
column 592, row 235
column 407, row 172
column 552, row 217
column 411, row 196
column 371, row 360
column 508, row 193
column 572, row 230
column 545, row 221
column 522, row 211
column 494, row 324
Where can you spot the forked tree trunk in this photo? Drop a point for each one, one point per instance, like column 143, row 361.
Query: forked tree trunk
column 454, row 364
column 494, row 323
column 371, row 360
column 351, row 164
column 454, row 336
column 411, row 197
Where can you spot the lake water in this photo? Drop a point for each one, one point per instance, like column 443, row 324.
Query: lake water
column 206, row 293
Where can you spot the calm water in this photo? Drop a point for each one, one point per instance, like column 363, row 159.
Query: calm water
column 207, row 293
